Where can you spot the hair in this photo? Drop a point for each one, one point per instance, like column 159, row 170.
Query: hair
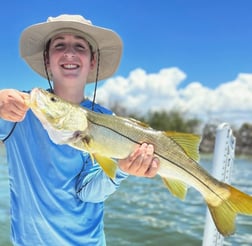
column 46, row 61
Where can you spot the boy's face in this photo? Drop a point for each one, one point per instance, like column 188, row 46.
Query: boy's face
column 70, row 60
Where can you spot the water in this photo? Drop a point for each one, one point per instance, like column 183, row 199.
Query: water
column 143, row 213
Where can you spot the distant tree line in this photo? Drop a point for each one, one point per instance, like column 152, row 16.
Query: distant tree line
column 243, row 137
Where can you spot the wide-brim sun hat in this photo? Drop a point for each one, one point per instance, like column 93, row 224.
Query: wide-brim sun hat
column 33, row 41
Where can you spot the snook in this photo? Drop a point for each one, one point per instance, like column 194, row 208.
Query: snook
column 109, row 137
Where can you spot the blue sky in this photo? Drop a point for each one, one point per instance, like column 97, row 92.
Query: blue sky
column 209, row 41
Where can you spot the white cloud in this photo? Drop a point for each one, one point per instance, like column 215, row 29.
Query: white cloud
column 141, row 92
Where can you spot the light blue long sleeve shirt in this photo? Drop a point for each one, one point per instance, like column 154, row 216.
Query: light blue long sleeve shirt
column 57, row 194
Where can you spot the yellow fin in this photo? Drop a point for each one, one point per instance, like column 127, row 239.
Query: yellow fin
column 188, row 142
column 176, row 187
column 108, row 165
column 225, row 213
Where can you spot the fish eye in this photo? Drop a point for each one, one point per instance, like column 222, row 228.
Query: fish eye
column 53, row 99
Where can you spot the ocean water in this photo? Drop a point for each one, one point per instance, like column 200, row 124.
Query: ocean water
column 143, row 213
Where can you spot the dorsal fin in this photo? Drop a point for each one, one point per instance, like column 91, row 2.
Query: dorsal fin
column 188, row 142
column 138, row 122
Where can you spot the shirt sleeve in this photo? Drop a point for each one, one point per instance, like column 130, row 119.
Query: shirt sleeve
column 5, row 128
column 94, row 185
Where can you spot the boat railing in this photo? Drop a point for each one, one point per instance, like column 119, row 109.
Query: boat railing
column 224, row 153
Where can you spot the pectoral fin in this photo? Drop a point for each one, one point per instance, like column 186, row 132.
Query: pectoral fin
column 176, row 187
column 108, row 165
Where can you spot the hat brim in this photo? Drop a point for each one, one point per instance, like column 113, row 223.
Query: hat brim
column 34, row 39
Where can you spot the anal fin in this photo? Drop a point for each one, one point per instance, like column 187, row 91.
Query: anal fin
column 176, row 187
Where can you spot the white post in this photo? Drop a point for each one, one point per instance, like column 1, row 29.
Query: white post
column 224, row 152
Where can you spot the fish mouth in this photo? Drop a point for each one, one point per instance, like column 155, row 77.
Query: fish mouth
column 30, row 99
column 33, row 95
column 36, row 99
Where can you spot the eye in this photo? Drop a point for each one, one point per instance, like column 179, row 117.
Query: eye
column 53, row 99
column 59, row 46
column 80, row 47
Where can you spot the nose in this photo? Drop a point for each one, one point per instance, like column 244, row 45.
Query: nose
column 69, row 51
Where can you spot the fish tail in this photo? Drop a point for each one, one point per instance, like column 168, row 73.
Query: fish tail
column 224, row 214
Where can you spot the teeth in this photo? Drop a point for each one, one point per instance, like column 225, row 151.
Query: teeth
column 70, row 66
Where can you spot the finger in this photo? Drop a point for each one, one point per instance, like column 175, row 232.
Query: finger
column 135, row 165
column 20, row 105
column 20, row 109
column 18, row 98
column 10, row 116
column 126, row 163
column 25, row 97
column 12, row 113
column 17, row 108
column 135, row 153
column 146, row 159
column 153, row 168
column 135, row 159
column 13, row 116
column 150, row 150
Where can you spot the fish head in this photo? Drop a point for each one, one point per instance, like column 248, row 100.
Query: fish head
column 56, row 112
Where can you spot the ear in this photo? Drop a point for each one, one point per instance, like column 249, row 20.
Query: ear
column 47, row 61
column 47, row 64
column 93, row 63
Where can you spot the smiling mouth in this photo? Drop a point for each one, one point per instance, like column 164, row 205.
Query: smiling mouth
column 70, row 66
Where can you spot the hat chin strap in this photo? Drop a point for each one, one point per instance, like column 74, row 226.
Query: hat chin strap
column 96, row 78
column 47, row 75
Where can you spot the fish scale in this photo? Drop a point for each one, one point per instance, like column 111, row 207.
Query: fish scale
column 132, row 133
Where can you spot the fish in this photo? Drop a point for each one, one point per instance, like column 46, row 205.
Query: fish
column 108, row 138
